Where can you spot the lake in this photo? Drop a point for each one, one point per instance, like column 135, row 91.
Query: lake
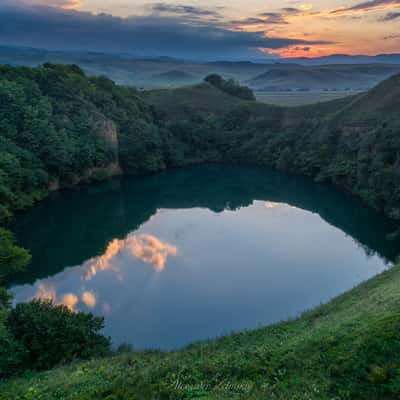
column 199, row 252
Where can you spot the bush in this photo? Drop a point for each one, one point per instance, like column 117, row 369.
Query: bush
column 11, row 352
column 231, row 87
column 53, row 334
column 12, row 258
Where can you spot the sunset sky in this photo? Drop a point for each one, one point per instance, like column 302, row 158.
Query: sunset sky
column 208, row 28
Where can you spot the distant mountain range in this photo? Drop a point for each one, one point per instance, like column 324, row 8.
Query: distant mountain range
column 286, row 77
column 336, row 72
column 346, row 59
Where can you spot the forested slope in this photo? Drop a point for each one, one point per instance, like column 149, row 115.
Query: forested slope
column 58, row 127
column 353, row 143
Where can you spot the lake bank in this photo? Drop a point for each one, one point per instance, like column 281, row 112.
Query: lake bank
column 338, row 350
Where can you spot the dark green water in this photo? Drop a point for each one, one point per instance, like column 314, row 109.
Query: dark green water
column 195, row 253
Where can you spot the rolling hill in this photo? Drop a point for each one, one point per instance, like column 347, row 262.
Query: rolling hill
column 352, row 142
column 181, row 103
column 292, row 77
column 174, row 77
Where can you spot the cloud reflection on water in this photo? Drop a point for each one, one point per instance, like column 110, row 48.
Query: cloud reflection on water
column 147, row 248
column 46, row 291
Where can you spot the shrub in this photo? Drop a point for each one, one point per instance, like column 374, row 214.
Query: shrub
column 53, row 334
column 11, row 352
column 12, row 258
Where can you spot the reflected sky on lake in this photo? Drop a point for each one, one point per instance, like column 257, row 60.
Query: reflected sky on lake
column 187, row 274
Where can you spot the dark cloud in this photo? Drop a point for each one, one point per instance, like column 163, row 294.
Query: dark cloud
column 367, row 6
column 391, row 16
column 151, row 35
column 273, row 18
column 249, row 21
column 391, row 37
column 262, row 20
column 306, row 49
column 190, row 11
column 267, row 18
column 291, row 10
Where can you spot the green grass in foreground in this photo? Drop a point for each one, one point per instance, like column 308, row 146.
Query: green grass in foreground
column 347, row 349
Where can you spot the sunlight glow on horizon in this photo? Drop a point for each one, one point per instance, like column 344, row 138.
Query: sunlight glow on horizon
column 325, row 26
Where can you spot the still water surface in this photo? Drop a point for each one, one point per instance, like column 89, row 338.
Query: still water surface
column 196, row 253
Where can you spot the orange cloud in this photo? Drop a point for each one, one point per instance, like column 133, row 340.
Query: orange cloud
column 66, row 4
column 147, row 248
column 308, row 50
column 47, row 292
column 72, row 4
column 306, row 7
column 150, row 250
column 70, row 300
column 89, row 299
column 367, row 6
column 102, row 263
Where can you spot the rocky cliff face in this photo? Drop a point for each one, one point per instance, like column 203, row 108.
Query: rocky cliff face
column 105, row 129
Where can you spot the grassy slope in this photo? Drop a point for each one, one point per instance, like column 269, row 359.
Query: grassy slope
column 181, row 103
column 290, row 76
column 298, row 99
column 337, row 351
column 188, row 100
column 177, row 103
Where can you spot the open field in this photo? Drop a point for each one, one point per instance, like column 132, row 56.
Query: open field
column 293, row 99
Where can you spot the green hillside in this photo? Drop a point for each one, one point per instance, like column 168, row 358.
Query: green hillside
column 377, row 103
column 184, row 102
column 293, row 77
column 174, row 77
column 59, row 127
column 352, row 143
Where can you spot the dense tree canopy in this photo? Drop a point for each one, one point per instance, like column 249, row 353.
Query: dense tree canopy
column 56, row 125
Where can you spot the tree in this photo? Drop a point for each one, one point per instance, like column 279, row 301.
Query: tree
column 230, row 87
column 52, row 334
column 215, row 80
column 12, row 257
